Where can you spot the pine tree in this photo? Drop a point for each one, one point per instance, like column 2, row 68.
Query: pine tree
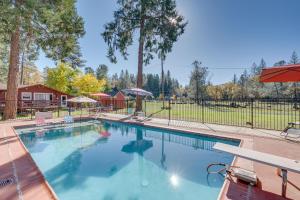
column 159, row 26
column 101, row 72
column 55, row 27
column 198, row 81
column 89, row 70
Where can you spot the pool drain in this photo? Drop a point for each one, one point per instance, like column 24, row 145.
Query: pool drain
column 6, row 181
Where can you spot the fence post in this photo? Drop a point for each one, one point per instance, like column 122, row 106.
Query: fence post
column 202, row 110
column 145, row 107
column 252, row 116
column 31, row 111
column 57, row 110
column 127, row 106
column 169, row 107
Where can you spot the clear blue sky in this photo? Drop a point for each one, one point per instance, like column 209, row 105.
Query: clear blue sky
column 220, row 33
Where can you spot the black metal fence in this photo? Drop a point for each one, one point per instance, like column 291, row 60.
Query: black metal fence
column 27, row 109
column 272, row 114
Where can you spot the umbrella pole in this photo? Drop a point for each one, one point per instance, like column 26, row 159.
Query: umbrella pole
column 80, row 111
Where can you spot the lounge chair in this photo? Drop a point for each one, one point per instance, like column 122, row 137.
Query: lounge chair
column 40, row 118
column 68, row 119
column 284, row 164
column 291, row 125
column 40, row 121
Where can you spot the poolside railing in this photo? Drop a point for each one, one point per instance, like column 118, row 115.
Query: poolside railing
column 272, row 114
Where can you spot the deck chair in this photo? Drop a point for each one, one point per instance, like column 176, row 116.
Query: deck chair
column 291, row 125
column 40, row 121
column 68, row 119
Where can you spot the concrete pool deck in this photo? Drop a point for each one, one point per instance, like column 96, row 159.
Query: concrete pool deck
column 16, row 162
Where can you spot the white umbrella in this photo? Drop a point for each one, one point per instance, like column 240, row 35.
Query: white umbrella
column 82, row 99
column 137, row 91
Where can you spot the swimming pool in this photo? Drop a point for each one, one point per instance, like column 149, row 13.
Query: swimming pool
column 111, row 160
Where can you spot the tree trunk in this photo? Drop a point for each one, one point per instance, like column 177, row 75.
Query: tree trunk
column 10, row 109
column 139, row 83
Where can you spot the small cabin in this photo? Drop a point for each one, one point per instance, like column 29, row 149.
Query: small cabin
column 114, row 98
column 37, row 96
column 119, row 99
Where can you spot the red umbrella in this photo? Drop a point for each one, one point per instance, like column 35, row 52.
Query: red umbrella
column 105, row 134
column 100, row 94
column 285, row 73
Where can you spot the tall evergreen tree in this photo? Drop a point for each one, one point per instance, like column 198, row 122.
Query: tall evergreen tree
column 4, row 49
column 234, row 80
column 198, row 81
column 294, row 58
column 101, row 72
column 89, row 70
column 54, row 26
column 156, row 28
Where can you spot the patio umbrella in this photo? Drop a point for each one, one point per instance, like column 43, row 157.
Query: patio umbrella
column 137, row 91
column 285, row 73
column 101, row 95
column 81, row 99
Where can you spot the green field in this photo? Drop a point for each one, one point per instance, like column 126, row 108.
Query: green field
column 266, row 115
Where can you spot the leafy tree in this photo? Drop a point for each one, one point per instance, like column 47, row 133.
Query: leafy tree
column 159, row 26
column 3, row 61
column 89, row 70
column 61, row 77
column 230, row 91
column 152, row 84
column 31, row 75
column 243, row 83
column 88, row 84
column 29, row 54
column 101, row 72
column 198, row 81
column 54, row 26
column 280, row 63
column 214, row 91
column 75, row 58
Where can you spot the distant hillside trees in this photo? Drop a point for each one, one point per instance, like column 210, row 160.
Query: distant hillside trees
column 248, row 85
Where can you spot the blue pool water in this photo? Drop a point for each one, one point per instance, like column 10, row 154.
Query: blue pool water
column 117, row 161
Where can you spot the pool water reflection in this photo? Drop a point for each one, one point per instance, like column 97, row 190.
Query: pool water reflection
column 119, row 161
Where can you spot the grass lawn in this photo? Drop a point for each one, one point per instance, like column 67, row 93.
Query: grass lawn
column 265, row 114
